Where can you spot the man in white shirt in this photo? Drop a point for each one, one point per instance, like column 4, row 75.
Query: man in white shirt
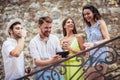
column 12, row 48
column 43, row 47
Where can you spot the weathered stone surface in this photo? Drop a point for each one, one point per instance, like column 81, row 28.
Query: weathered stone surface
column 14, row 1
column 30, row 11
column 48, row 5
column 41, row 13
column 55, row 14
column 115, row 10
column 34, row 6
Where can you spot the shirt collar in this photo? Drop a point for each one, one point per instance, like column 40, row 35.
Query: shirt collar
column 41, row 39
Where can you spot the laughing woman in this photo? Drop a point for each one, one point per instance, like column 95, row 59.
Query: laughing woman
column 74, row 44
column 97, row 33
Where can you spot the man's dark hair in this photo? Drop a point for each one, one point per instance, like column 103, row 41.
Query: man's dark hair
column 45, row 19
column 12, row 26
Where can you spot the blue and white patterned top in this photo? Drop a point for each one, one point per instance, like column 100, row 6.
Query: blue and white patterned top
column 94, row 34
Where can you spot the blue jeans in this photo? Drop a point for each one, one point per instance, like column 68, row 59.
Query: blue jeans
column 47, row 76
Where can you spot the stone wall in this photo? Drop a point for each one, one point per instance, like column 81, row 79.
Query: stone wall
column 30, row 10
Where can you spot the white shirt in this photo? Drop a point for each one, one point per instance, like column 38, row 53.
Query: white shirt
column 44, row 50
column 13, row 66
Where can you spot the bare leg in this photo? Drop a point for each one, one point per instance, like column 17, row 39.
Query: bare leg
column 95, row 75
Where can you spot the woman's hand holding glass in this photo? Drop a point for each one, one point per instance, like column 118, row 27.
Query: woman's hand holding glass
column 89, row 45
column 65, row 45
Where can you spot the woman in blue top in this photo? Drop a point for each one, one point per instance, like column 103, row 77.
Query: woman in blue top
column 97, row 33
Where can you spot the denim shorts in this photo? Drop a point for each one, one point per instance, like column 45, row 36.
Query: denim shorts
column 94, row 60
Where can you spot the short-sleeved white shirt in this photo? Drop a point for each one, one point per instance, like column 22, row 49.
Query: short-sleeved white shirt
column 13, row 66
column 44, row 50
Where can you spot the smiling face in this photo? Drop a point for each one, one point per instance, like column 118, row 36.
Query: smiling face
column 69, row 25
column 45, row 29
column 88, row 15
column 45, row 25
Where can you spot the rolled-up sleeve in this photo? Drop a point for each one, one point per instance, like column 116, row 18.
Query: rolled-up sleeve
column 7, row 48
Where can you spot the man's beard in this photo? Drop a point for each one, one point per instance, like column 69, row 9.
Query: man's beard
column 17, row 36
column 46, row 34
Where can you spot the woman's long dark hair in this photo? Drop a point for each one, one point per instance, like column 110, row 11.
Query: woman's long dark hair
column 95, row 12
column 63, row 24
